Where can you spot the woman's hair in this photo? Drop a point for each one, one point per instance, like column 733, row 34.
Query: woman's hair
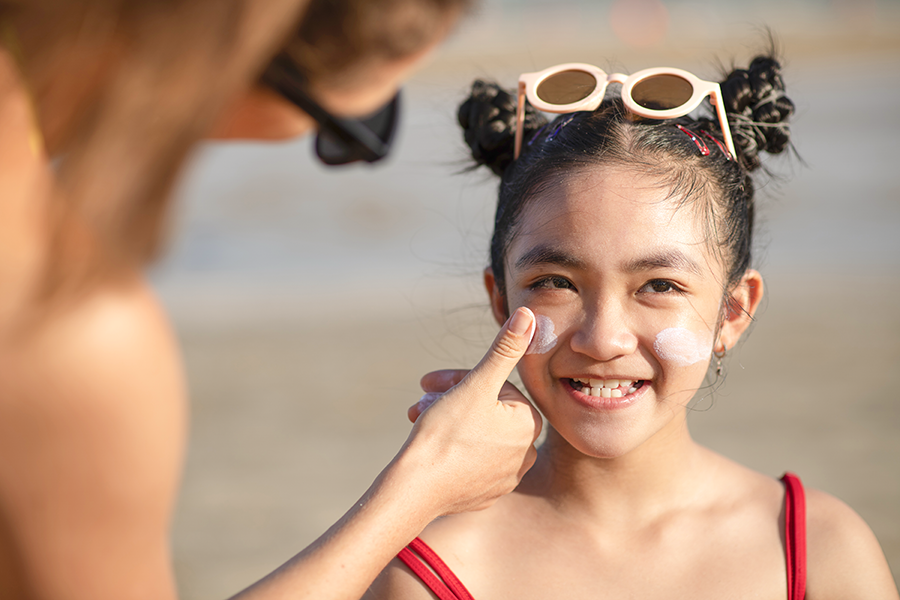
column 336, row 35
column 757, row 115
column 124, row 89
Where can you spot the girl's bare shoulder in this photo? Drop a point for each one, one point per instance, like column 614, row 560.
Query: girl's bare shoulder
column 845, row 559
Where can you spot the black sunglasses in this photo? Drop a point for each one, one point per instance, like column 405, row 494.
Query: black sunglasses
column 340, row 140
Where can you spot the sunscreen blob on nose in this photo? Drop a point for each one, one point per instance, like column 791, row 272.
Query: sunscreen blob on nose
column 682, row 347
column 544, row 336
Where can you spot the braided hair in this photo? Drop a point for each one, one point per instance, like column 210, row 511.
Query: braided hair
column 757, row 112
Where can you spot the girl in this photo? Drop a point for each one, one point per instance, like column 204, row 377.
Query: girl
column 625, row 227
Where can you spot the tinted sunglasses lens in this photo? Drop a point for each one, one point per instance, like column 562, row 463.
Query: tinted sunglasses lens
column 384, row 122
column 332, row 150
column 566, row 87
column 379, row 128
column 662, row 92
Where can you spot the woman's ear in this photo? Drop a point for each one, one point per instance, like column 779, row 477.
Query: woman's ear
column 498, row 300
column 740, row 306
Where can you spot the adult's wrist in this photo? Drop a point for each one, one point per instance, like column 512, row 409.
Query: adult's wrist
column 411, row 479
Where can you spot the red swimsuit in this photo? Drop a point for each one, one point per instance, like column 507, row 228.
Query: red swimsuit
column 448, row 587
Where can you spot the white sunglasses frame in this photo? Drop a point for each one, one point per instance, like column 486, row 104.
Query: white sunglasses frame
column 529, row 82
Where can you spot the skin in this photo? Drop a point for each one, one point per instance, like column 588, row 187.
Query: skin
column 93, row 409
column 622, row 503
column 261, row 114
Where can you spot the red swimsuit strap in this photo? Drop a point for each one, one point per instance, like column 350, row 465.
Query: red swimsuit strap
column 451, row 588
column 795, row 535
column 448, row 587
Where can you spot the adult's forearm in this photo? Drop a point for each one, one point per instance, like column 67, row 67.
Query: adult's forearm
column 344, row 561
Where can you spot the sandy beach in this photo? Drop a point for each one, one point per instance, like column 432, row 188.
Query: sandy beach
column 309, row 305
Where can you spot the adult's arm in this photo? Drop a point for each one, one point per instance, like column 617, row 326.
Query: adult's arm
column 468, row 449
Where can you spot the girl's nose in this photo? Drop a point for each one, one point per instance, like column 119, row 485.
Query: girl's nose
column 605, row 333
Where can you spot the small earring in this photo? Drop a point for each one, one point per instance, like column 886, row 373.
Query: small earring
column 719, row 356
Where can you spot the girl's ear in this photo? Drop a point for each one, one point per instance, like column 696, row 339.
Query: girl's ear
column 498, row 301
column 740, row 306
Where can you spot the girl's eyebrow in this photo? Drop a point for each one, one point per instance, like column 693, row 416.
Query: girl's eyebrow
column 664, row 259
column 547, row 255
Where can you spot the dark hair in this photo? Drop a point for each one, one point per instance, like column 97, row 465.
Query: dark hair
column 335, row 35
column 757, row 113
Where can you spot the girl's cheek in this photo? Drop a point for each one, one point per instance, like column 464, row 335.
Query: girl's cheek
column 682, row 347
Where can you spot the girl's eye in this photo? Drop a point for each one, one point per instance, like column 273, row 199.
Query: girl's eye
column 552, row 283
column 660, row 286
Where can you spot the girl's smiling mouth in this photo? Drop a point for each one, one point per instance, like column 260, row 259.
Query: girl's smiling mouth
column 604, row 393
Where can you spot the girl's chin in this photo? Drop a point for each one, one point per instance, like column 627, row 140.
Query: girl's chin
column 599, row 446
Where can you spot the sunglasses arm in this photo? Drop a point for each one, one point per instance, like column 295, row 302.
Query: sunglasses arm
column 723, row 122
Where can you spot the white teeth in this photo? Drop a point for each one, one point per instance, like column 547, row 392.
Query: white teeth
column 607, row 388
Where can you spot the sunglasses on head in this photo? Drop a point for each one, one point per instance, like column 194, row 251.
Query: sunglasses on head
column 340, row 140
column 661, row 93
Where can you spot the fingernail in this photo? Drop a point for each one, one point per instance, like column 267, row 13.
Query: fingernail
column 521, row 321
column 427, row 400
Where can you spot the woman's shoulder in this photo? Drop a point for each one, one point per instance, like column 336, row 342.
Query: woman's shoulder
column 91, row 424
column 96, row 383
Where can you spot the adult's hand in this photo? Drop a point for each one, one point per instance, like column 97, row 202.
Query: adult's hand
column 473, row 430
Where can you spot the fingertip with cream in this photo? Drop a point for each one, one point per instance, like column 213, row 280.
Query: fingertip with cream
column 427, row 400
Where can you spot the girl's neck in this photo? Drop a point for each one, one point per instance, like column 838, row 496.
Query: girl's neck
column 665, row 473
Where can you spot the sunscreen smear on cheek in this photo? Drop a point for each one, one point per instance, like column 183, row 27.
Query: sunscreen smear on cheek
column 544, row 336
column 682, row 347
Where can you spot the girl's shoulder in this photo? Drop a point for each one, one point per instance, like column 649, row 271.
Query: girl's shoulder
column 844, row 559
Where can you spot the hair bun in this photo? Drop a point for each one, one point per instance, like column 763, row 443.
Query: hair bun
column 488, row 119
column 758, row 110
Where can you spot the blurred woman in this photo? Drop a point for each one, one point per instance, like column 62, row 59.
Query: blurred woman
column 101, row 101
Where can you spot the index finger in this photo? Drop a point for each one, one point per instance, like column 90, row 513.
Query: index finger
column 442, row 380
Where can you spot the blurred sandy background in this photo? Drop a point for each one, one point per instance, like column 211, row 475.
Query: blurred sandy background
column 309, row 302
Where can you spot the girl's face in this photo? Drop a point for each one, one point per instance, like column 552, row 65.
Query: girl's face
column 628, row 297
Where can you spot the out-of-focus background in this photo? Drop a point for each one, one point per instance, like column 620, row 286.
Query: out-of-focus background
column 309, row 301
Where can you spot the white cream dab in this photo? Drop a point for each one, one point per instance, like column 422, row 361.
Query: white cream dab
column 544, row 336
column 682, row 346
